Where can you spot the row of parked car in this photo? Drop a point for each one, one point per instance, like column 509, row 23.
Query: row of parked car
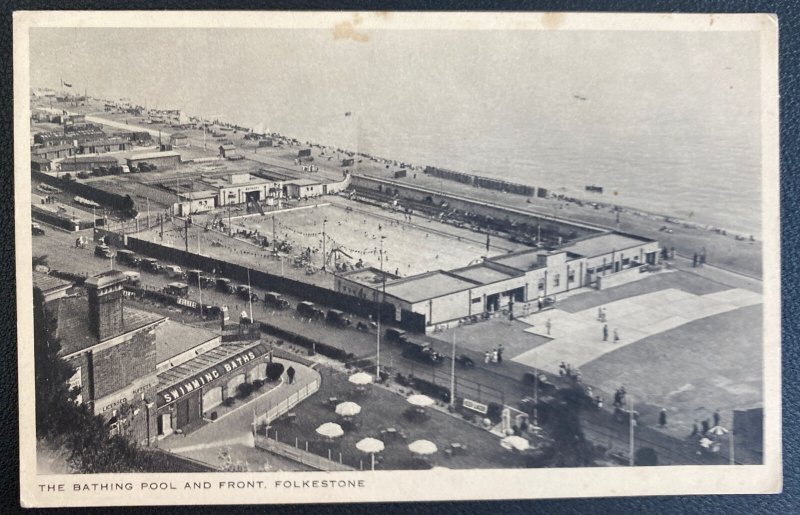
column 413, row 348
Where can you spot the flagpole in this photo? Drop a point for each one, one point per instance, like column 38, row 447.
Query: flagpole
column 250, row 295
column 631, row 424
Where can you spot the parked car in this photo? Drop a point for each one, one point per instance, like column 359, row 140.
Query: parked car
column 423, row 353
column 246, row 292
column 395, row 335
column 174, row 271
column 307, row 309
column 338, row 318
column 224, row 285
column 103, row 251
column 133, row 278
column 125, row 256
column 151, row 265
column 177, row 289
column 37, row 229
column 275, row 300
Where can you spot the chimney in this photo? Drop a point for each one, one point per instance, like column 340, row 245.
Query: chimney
column 105, row 304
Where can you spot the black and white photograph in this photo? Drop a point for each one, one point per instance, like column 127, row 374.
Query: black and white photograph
column 347, row 257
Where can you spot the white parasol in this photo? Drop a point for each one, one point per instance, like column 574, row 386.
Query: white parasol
column 360, row 378
column 420, row 401
column 422, row 447
column 330, row 430
column 370, row 445
column 515, row 442
column 718, row 430
column 348, row 409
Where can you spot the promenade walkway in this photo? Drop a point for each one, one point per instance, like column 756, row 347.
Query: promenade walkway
column 577, row 338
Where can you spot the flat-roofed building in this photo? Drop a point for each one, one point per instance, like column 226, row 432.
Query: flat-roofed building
column 162, row 160
column 88, row 163
column 500, row 282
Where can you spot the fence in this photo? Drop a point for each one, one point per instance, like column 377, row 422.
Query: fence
column 293, row 400
column 266, row 280
column 294, row 453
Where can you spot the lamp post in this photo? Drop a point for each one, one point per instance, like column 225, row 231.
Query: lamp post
column 631, row 425
column 453, row 372
column 324, row 258
column 380, row 306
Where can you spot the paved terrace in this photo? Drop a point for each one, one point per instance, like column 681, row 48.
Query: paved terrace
column 577, row 338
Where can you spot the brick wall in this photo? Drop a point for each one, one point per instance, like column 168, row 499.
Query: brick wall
column 116, row 367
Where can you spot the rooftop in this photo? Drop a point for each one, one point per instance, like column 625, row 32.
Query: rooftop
column 427, row 286
column 482, row 274
column 46, row 282
column 369, row 276
column 207, row 360
column 523, row 260
column 75, row 332
column 153, row 155
column 198, row 195
column 304, row 182
column 93, row 159
column 173, row 339
column 604, row 243
column 47, row 150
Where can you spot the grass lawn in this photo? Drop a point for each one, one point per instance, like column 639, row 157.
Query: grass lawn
column 713, row 363
column 383, row 409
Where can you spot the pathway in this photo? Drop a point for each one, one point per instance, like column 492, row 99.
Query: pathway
column 577, row 337
column 235, row 429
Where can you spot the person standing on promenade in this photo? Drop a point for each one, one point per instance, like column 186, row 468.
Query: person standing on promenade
column 487, row 356
column 548, row 324
column 662, row 418
column 290, row 374
column 605, row 332
column 705, row 427
column 695, row 429
column 717, row 417
column 616, row 336
column 500, row 353
column 694, row 260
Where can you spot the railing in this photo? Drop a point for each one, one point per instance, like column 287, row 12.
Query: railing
column 290, row 402
column 299, row 455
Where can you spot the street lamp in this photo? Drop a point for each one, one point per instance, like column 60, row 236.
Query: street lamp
column 380, row 307
column 324, row 258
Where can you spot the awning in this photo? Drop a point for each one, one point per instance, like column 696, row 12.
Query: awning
column 205, row 376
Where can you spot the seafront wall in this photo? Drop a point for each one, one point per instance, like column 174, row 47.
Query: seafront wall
column 424, row 196
column 486, row 182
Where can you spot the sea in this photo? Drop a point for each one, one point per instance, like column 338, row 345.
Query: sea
column 707, row 175
column 665, row 122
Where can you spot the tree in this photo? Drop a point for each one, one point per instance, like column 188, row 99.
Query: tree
column 53, row 398
column 570, row 447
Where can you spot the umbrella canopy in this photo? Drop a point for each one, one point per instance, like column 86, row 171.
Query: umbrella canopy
column 515, row 442
column 422, row 447
column 420, row 400
column 360, row 378
column 348, row 409
column 370, row 445
column 718, row 430
column 330, row 430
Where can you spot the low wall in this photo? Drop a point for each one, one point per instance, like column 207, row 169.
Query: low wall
column 299, row 455
column 622, row 277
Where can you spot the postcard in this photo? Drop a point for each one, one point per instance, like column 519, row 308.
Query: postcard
column 295, row 257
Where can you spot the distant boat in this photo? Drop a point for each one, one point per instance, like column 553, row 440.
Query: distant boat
column 594, row 188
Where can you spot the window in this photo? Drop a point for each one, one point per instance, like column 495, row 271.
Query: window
column 571, row 276
column 476, row 300
column 541, row 284
column 556, row 279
